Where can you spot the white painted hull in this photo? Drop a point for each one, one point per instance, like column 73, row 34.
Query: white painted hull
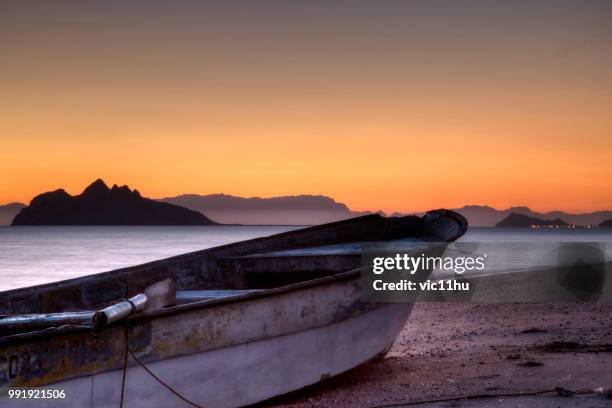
column 243, row 374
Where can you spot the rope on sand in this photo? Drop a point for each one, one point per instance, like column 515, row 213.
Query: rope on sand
column 563, row 392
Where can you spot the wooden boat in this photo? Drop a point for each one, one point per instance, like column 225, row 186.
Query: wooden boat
column 251, row 320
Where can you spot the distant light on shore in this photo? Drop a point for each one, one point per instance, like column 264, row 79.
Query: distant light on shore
column 558, row 226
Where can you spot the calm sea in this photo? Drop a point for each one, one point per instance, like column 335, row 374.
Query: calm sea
column 35, row 255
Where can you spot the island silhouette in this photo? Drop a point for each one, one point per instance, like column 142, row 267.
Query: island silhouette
column 515, row 220
column 8, row 212
column 100, row 205
column 285, row 210
column 57, row 207
column 606, row 224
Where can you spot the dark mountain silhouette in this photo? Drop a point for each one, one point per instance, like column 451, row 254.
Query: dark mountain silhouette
column 310, row 209
column 606, row 224
column 592, row 218
column 100, row 205
column 9, row 211
column 318, row 209
column 515, row 220
column 485, row 216
column 288, row 210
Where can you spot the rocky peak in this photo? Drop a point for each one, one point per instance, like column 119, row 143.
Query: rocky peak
column 95, row 189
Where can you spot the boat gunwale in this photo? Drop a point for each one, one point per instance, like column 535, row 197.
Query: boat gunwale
column 184, row 308
column 461, row 221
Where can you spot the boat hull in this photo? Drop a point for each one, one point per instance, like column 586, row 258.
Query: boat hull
column 242, row 374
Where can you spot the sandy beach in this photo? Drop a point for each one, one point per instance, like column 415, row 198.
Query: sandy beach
column 450, row 350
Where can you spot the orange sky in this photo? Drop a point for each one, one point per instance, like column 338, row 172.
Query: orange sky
column 381, row 105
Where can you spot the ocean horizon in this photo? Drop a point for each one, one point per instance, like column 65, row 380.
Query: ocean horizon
column 42, row 254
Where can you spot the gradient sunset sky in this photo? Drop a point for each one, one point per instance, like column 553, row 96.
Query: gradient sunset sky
column 392, row 105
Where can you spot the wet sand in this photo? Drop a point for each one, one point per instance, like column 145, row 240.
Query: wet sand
column 457, row 349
